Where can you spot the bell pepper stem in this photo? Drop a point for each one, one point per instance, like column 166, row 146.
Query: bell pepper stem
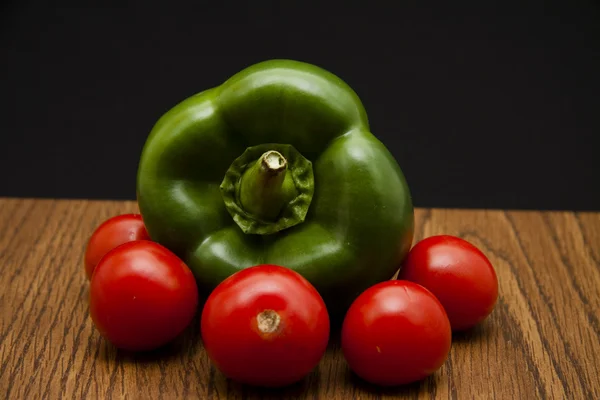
column 265, row 187
column 268, row 188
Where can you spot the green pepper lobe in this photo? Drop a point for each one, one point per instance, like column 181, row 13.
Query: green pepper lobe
column 277, row 165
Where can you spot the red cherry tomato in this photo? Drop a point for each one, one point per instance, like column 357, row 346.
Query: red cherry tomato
column 458, row 274
column 265, row 326
column 142, row 296
column 110, row 234
column 394, row 333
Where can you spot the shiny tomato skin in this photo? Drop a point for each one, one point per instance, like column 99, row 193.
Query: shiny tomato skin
column 458, row 274
column 142, row 296
column 394, row 333
column 110, row 234
column 279, row 354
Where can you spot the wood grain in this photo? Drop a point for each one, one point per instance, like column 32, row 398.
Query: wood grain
column 542, row 340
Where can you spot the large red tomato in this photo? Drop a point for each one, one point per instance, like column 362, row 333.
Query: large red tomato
column 265, row 326
column 110, row 234
column 396, row 332
column 458, row 274
column 142, row 296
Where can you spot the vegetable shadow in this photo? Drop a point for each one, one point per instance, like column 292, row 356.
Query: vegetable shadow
column 186, row 344
column 410, row 390
column 482, row 331
column 300, row 389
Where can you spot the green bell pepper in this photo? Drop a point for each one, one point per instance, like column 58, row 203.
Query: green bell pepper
column 277, row 165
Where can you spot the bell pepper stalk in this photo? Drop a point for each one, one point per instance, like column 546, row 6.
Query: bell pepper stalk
column 277, row 165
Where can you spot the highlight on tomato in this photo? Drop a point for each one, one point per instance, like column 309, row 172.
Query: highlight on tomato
column 110, row 234
column 458, row 274
column 396, row 332
column 265, row 326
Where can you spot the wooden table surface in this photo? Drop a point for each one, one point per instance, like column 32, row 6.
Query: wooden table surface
column 542, row 340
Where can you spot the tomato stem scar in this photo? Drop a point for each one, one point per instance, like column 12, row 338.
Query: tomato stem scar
column 268, row 321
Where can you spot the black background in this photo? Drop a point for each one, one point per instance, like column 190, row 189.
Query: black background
column 486, row 104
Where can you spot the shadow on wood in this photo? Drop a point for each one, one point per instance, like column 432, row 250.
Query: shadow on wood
column 479, row 332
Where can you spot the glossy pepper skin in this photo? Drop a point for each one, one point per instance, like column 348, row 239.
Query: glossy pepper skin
column 352, row 227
